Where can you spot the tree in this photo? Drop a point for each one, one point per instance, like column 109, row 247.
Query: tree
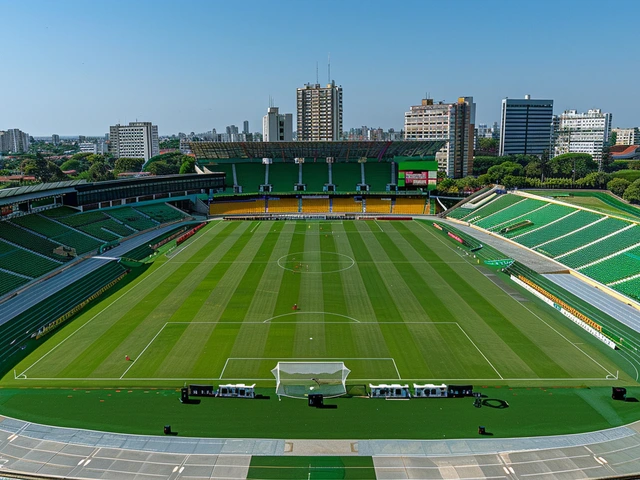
column 99, row 172
column 43, row 169
column 572, row 165
column 162, row 168
column 618, row 186
column 73, row 165
column 632, row 193
column 498, row 172
column 482, row 163
column 124, row 164
column 594, row 180
column 487, row 146
column 188, row 165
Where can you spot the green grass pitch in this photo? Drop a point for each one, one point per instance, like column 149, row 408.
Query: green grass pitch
column 393, row 300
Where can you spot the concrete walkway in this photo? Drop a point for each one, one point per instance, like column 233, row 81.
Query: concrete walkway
column 79, row 454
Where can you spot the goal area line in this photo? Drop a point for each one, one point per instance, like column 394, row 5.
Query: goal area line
column 308, row 360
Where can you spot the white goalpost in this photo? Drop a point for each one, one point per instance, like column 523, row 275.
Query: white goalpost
column 299, row 379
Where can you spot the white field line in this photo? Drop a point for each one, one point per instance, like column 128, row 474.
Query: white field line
column 431, row 379
column 483, row 355
column 309, row 360
column 376, row 222
column 223, row 369
column 143, row 350
column 107, row 307
column 396, row 367
column 256, row 226
column 298, row 312
column 532, row 313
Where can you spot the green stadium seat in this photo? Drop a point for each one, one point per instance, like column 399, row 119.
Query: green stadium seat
column 346, row 176
column 377, row 175
column 14, row 333
column 315, row 175
column 282, row 176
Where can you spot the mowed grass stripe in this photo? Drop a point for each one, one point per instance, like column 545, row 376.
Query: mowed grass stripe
column 547, row 354
column 167, row 303
column 229, row 277
column 226, row 336
column 78, row 358
column 381, row 300
column 499, row 320
column 400, row 343
column 561, row 350
column 280, row 342
column 367, row 339
column 252, row 338
column 445, row 304
column 102, row 316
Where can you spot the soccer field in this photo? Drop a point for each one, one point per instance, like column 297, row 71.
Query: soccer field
column 394, row 301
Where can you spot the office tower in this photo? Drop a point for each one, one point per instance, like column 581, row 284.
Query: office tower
column 525, row 126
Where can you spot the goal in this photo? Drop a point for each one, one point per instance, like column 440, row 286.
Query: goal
column 299, row 379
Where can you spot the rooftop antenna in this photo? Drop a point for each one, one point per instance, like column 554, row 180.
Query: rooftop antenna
column 317, row 81
column 329, row 68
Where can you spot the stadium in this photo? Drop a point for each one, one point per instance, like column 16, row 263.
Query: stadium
column 312, row 310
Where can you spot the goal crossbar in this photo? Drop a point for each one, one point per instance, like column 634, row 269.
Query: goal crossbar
column 299, row 379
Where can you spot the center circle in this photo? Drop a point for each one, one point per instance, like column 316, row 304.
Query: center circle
column 316, row 262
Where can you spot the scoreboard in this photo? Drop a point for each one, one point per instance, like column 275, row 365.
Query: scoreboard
column 417, row 179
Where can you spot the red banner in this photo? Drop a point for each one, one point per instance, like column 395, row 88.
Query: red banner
column 455, row 237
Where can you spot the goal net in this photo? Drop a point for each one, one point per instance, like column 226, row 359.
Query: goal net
column 298, row 379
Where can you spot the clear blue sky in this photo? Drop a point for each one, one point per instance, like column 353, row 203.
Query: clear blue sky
column 76, row 67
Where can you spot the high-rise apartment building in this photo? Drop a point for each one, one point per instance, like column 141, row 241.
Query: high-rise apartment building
column 319, row 112
column 55, row 139
column 452, row 122
column 525, row 126
column 245, row 127
column 14, row 140
column 582, row 133
column 277, row 127
column 627, row 136
column 136, row 140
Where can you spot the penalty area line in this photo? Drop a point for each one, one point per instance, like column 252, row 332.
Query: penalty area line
column 480, row 351
column 144, row 350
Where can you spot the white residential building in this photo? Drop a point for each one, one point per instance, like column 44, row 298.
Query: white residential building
column 87, row 147
column 14, row 140
column 136, row 140
column 319, row 112
column 451, row 122
column 583, row 133
column 627, row 136
column 277, row 127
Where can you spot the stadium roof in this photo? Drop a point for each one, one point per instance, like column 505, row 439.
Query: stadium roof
column 40, row 187
column 341, row 151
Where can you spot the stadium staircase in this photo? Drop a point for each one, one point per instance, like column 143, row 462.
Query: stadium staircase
column 475, row 200
column 602, row 247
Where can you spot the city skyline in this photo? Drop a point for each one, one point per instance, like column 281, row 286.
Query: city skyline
column 211, row 68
